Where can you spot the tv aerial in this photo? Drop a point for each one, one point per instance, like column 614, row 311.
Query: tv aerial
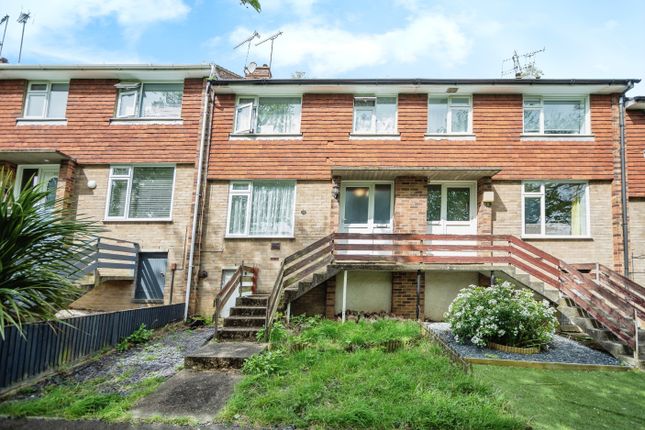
column 526, row 70
column 4, row 20
column 272, row 39
column 22, row 19
column 248, row 41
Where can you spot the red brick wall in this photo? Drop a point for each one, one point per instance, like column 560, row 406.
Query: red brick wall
column 404, row 294
column 635, row 141
column 410, row 205
column 484, row 210
column 89, row 137
column 66, row 178
column 330, row 298
column 327, row 123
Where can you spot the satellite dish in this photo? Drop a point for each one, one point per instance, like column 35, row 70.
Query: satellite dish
column 251, row 67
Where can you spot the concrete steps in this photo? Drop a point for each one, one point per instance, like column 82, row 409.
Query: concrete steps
column 246, row 319
column 224, row 355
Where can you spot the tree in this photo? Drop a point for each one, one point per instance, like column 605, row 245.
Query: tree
column 41, row 245
column 255, row 4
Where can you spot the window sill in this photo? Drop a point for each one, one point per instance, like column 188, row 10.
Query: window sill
column 450, row 136
column 260, row 237
column 41, row 121
column 566, row 238
column 146, row 121
column 375, row 136
column 253, row 136
column 137, row 220
column 558, row 137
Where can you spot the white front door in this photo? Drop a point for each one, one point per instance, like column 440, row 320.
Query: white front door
column 44, row 177
column 452, row 210
column 366, row 207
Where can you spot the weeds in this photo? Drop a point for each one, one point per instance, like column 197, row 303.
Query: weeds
column 139, row 336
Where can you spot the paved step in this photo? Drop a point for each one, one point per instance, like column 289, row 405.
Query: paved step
column 252, row 301
column 223, row 355
column 237, row 333
column 255, row 311
column 245, row 321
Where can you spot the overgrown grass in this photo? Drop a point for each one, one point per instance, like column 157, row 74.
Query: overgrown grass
column 82, row 401
column 558, row 399
column 324, row 386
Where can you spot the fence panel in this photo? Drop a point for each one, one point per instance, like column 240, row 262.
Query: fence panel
column 46, row 346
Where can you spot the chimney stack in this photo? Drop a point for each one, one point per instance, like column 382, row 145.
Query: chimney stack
column 260, row 72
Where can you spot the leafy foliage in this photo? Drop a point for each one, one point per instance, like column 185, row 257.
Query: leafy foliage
column 501, row 314
column 255, row 4
column 139, row 336
column 40, row 245
column 267, row 363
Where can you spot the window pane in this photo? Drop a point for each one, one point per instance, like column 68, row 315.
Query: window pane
column 240, row 186
column 278, row 115
column 58, row 101
column 364, row 120
column 532, row 187
column 458, row 204
column 356, row 205
column 462, row 101
column 244, row 118
column 272, row 208
column 227, row 274
column 532, row 102
column 563, row 117
column 127, row 103
column 35, row 105
column 120, row 171
column 532, row 215
column 50, row 187
column 382, row 203
column 531, row 121
column 118, row 191
column 386, row 115
column 237, row 224
column 29, row 176
column 38, row 87
column 434, row 203
column 438, row 116
column 162, row 100
column 151, row 193
column 459, row 120
column 565, row 209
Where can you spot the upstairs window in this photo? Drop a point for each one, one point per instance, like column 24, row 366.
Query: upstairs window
column 449, row 115
column 46, row 100
column 140, row 192
column 555, row 209
column 544, row 115
column 268, row 115
column 261, row 209
column 149, row 100
column 375, row 115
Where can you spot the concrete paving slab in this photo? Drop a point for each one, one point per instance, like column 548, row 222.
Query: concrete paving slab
column 223, row 355
column 190, row 393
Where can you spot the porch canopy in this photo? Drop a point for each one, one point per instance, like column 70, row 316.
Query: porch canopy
column 432, row 173
column 33, row 156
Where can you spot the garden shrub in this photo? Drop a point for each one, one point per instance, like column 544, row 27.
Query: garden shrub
column 139, row 336
column 502, row 314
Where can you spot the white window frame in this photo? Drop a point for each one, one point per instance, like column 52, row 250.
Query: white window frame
column 586, row 123
column 47, row 92
column 541, row 195
column 370, row 226
column 449, row 106
column 247, row 221
column 129, row 177
column 253, row 126
column 395, row 132
column 137, row 88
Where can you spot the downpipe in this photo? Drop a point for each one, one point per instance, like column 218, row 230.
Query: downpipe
column 623, row 179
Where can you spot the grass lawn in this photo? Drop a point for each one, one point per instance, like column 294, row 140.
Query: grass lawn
column 326, row 386
column 559, row 399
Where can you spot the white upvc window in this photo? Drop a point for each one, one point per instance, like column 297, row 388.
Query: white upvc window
column 555, row 209
column 149, row 100
column 47, row 100
column 375, row 115
column 450, row 115
column 556, row 115
column 268, row 115
column 261, row 209
column 140, row 192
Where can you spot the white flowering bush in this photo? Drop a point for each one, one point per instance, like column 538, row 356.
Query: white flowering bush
column 501, row 314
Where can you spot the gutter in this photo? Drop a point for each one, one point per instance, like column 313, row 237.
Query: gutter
column 623, row 179
column 207, row 110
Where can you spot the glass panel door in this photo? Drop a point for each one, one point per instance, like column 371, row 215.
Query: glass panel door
column 452, row 211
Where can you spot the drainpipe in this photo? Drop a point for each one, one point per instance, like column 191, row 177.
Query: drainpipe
column 204, row 139
column 623, row 178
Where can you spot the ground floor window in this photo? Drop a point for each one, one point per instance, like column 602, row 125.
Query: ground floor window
column 261, row 208
column 140, row 192
column 555, row 208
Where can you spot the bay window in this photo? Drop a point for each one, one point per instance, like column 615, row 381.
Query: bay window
column 47, row 100
column 555, row 115
column 375, row 115
column 555, row 209
column 149, row 100
column 268, row 115
column 449, row 115
column 261, row 208
column 140, row 192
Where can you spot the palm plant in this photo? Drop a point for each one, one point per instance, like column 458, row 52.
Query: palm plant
column 41, row 245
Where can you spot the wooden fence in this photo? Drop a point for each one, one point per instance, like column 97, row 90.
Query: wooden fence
column 47, row 346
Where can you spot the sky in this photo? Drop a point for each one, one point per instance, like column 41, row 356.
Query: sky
column 340, row 38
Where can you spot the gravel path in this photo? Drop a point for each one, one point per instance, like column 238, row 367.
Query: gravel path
column 162, row 356
column 561, row 350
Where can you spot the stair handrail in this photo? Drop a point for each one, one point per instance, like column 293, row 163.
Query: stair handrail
column 293, row 269
column 224, row 294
